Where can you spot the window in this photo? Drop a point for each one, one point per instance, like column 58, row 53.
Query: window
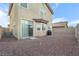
column 43, row 26
column 38, row 28
column 42, row 10
column 30, row 23
column 49, row 28
column 24, row 5
column 26, row 28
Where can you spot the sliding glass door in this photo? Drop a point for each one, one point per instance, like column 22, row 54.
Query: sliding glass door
column 26, row 28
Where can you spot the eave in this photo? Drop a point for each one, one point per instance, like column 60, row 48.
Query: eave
column 10, row 8
column 49, row 8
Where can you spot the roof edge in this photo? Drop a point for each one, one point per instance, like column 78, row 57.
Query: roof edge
column 49, row 8
column 10, row 8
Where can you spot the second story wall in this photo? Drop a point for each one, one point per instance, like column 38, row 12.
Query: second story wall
column 34, row 10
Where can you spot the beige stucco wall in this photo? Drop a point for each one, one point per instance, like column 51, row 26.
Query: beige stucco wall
column 66, row 30
column 30, row 13
column 77, row 32
column 13, row 27
column 33, row 12
column 60, row 24
column 1, row 32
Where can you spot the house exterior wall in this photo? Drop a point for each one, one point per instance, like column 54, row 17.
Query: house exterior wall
column 60, row 25
column 31, row 12
column 13, row 27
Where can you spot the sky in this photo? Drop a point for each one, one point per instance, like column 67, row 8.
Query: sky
column 62, row 12
column 4, row 18
column 66, row 12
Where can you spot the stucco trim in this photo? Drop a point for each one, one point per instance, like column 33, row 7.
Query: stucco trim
column 41, row 21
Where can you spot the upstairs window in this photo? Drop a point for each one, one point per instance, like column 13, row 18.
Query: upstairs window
column 42, row 10
column 24, row 5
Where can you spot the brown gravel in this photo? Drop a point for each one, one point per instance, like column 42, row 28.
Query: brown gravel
column 59, row 44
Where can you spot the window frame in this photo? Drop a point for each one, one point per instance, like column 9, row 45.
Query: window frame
column 24, row 7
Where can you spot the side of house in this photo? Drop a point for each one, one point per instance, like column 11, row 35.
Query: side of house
column 60, row 25
column 13, row 13
column 28, row 19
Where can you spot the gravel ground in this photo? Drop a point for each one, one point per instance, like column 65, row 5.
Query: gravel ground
column 59, row 44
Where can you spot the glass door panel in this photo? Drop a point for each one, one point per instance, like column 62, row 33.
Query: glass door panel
column 26, row 28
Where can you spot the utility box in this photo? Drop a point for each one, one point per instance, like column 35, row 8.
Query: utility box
column 77, row 32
